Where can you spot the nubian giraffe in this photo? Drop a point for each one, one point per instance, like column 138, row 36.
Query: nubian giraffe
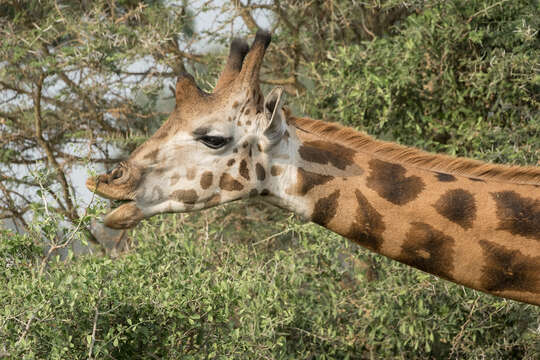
column 469, row 222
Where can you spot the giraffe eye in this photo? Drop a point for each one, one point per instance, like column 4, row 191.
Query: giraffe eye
column 214, row 142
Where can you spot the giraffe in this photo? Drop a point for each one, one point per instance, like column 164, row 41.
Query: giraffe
column 466, row 221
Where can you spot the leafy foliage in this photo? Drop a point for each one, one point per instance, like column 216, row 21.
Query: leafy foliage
column 454, row 78
column 245, row 280
column 217, row 285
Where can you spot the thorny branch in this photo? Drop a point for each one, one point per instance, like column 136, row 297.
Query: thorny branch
column 51, row 159
column 94, row 325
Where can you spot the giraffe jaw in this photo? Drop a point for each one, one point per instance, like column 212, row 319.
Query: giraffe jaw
column 126, row 216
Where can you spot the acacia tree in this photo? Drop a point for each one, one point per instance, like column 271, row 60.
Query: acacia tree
column 72, row 74
column 76, row 74
column 305, row 30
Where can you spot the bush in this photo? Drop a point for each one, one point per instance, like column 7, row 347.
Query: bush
column 219, row 285
column 453, row 78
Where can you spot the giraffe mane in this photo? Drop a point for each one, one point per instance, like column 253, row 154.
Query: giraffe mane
column 404, row 155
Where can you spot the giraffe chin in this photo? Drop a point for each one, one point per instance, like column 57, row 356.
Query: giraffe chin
column 123, row 217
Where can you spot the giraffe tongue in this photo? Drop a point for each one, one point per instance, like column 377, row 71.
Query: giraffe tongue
column 125, row 216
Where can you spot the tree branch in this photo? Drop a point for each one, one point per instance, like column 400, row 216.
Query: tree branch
column 246, row 16
column 48, row 150
column 94, row 326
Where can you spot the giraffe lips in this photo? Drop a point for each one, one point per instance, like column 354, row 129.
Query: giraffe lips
column 125, row 213
column 108, row 191
column 126, row 216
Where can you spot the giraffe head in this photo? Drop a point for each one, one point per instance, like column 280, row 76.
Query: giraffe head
column 214, row 148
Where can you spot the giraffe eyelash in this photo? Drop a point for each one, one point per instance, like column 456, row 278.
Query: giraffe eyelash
column 214, row 142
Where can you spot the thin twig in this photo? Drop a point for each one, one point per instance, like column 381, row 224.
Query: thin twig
column 47, row 147
column 485, row 10
column 364, row 27
column 458, row 337
column 26, row 328
column 69, row 239
column 272, row 236
column 94, row 327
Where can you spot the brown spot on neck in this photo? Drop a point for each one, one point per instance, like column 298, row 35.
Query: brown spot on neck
column 368, row 225
column 390, row 182
column 458, row 206
column 324, row 152
column 325, row 209
column 307, row 180
column 517, row 214
column 507, row 269
column 429, row 250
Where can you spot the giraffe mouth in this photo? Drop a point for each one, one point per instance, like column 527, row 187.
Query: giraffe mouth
column 116, row 203
column 125, row 216
column 124, row 213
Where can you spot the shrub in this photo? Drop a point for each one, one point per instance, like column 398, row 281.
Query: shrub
column 219, row 285
column 459, row 77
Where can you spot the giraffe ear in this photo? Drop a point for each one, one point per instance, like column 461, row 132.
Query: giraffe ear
column 274, row 114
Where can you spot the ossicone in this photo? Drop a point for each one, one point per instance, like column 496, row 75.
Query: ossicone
column 187, row 89
column 237, row 53
column 244, row 62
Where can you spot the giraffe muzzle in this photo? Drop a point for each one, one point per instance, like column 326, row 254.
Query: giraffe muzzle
column 125, row 216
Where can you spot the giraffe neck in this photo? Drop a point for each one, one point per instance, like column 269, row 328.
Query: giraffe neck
column 481, row 233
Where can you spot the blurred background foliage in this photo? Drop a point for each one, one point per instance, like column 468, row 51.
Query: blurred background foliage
column 83, row 82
